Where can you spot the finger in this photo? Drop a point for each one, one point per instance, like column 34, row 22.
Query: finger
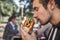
column 23, row 32
column 23, row 37
column 33, row 35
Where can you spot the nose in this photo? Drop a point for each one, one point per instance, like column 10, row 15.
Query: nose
column 35, row 15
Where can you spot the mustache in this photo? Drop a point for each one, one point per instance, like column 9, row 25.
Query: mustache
column 38, row 20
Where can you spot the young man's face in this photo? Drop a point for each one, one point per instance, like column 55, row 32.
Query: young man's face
column 40, row 12
column 14, row 21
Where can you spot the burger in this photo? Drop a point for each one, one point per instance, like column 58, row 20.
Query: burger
column 28, row 25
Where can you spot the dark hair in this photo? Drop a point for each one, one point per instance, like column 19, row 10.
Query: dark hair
column 58, row 3
column 10, row 18
column 45, row 2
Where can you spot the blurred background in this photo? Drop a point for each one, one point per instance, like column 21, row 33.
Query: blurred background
column 19, row 8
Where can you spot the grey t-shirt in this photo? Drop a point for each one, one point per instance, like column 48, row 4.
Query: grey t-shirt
column 44, row 28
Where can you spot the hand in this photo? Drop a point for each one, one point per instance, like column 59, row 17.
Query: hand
column 26, row 36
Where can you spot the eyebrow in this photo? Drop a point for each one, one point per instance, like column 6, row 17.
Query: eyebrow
column 40, row 1
column 32, row 1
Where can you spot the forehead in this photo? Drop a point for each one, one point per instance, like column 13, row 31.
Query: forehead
column 36, row 2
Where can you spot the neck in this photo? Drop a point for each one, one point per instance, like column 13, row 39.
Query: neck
column 55, row 16
column 13, row 22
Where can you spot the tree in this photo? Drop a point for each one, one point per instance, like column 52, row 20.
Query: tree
column 27, row 7
column 6, row 8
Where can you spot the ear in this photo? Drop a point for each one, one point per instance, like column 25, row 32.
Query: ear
column 51, row 4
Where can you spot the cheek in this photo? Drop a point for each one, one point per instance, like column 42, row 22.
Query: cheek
column 14, row 21
column 43, row 15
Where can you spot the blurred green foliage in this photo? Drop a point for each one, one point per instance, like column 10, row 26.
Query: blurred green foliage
column 10, row 8
column 7, row 8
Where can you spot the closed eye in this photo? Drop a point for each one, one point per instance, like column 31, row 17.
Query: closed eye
column 35, row 8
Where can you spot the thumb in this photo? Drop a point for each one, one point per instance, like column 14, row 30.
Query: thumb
column 33, row 35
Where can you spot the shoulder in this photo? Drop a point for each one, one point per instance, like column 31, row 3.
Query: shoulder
column 8, row 25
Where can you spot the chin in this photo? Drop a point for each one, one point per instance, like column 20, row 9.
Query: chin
column 44, row 23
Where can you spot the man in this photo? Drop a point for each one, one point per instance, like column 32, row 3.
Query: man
column 46, row 11
column 10, row 29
